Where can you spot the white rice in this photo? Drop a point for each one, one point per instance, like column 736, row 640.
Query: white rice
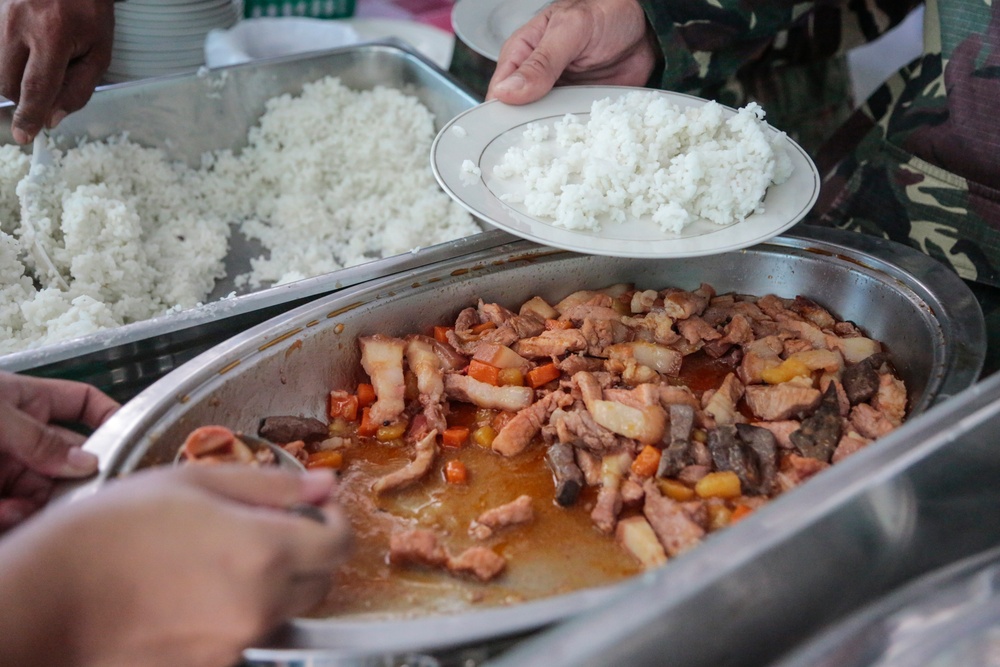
column 322, row 185
column 642, row 156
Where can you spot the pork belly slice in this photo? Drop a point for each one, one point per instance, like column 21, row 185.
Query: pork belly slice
column 660, row 358
column 518, row 433
column 415, row 470
column 680, row 304
column 426, row 367
column 516, row 512
column 382, row 359
column 470, row 390
column 577, row 427
column 721, row 404
column 552, row 343
column 781, row 401
column 890, row 399
column 696, row 330
column 869, row 422
column 614, row 467
column 674, row 528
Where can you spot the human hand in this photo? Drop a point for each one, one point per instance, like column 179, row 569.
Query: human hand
column 53, row 54
column 575, row 42
column 34, row 447
column 172, row 566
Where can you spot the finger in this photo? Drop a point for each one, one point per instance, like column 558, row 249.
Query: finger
column 82, row 77
column 43, row 79
column 48, row 450
column 61, row 400
column 269, row 487
column 538, row 73
column 13, row 56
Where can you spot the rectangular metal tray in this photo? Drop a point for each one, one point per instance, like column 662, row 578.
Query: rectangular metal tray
column 923, row 497
column 188, row 115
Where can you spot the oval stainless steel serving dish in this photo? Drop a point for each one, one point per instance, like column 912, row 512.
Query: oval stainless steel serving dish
column 926, row 316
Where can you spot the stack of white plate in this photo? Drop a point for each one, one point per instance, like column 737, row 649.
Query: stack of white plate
column 159, row 37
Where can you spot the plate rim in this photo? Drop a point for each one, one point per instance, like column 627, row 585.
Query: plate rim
column 589, row 243
column 468, row 21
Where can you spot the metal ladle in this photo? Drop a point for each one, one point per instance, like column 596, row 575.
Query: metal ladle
column 41, row 159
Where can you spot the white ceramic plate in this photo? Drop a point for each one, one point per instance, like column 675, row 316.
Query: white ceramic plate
column 484, row 133
column 484, row 25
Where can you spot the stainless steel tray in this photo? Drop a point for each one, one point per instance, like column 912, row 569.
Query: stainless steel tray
column 921, row 498
column 190, row 114
column 926, row 315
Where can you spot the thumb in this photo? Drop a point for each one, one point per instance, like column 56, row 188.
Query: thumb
column 46, row 449
column 268, row 487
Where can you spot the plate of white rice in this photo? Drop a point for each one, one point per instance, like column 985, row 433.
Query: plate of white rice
column 628, row 172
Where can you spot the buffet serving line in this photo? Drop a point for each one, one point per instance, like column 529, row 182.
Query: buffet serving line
column 913, row 501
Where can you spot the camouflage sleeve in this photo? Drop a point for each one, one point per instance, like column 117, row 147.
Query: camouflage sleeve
column 706, row 42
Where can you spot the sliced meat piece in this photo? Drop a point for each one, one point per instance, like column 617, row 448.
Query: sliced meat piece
column 493, row 312
column 782, row 431
column 600, row 334
column 675, row 456
column 518, row 433
column 575, row 363
column 781, row 401
column 660, row 358
column 674, row 528
column 813, row 312
column 869, row 422
column 577, row 426
column 469, row 390
column 416, row 547
column 697, row 330
column 721, row 404
column 286, row 428
column 589, row 311
column 514, row 513
column 426, row 367
column 759, row 356
column 849, row 443
column 566, row 473
column 415, row 470
column 467, row 343
column 796, row 469
column 480, row 562
column 614, row 467
column 737, row 332
column 553, row 343
column 680, row 304
column 890, row 399
column 727, row 453
column 382, row 359
column 671, row 395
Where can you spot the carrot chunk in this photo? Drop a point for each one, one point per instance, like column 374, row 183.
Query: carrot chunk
column 441, row 334
column 343, row 405
column 366, row 394
column 647, row 461
column 455, row 472
column 454, row 436
column 325, row 459
column 367, row 427
column 542, row 375
column 484, row 372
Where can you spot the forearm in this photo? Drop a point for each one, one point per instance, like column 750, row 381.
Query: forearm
column 707, row 42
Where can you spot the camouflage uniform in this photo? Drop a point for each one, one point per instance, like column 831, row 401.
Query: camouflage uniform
column 919, row 161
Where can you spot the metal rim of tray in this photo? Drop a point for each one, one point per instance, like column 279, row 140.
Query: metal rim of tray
column 960, row 318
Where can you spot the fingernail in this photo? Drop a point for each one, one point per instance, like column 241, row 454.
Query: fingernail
column 56, row 118
column 316, row 484
column 79, row 462
column 512, row 83
column 20, row 136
